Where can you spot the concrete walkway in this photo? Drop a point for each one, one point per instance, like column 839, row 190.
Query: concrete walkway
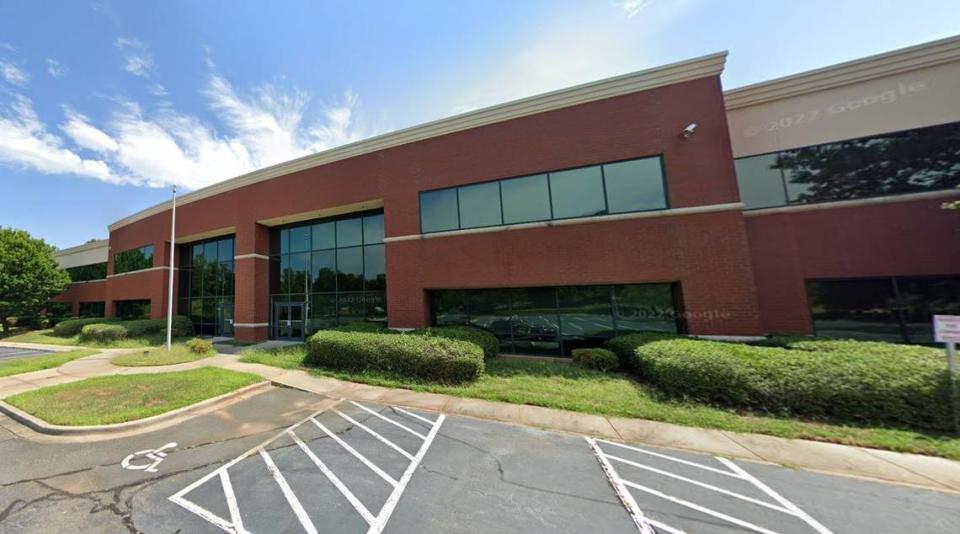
column 901, row 468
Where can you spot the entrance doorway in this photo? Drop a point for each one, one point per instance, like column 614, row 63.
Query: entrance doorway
column 288, row 320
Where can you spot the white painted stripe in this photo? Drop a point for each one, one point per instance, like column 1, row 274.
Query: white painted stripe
column 633, row 509
column 671, row 458
column 816, row 525
column 697, row 507
column 357, row 505
column 415, row 416
column 391, row 504
column 373, row 467
column 204, row 514
column 231, row 502
column 702, row 485
column 386, row 441
column 665, row 527
column 292, row 499
column 387, row 419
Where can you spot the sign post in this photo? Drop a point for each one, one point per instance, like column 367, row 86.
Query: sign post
column 946, row 330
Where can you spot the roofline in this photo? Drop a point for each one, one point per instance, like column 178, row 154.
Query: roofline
column 99, row 243
column 859, row 70
column 691, row 69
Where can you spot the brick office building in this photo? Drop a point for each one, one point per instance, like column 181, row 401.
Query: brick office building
column 650, row 201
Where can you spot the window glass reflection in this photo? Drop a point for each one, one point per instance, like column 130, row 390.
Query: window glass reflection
column 577, row 193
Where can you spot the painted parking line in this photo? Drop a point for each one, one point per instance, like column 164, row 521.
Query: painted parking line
column 611, row 457
column 375, row 521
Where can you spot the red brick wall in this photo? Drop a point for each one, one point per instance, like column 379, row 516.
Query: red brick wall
column 83, row 292
column 707, row 253
column 895, row 239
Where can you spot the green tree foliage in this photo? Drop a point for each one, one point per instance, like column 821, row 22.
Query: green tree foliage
column 29, row 276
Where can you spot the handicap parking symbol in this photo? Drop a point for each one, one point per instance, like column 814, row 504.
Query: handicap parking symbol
column 147, row 460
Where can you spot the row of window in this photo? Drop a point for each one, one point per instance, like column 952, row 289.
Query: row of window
column 342, row 232
column 325, row 311
column 207, row 269
column 899, row 309
column 92, row 309
column 133, row 259
column 556, row 320
column 924, row 159
column 622, row 187
column 211, row 316
column 84, row 273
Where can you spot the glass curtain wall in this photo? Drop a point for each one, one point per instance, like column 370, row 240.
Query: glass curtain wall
column 207, row 285
column 133, row 260
column 330, row 272
column 556, row 320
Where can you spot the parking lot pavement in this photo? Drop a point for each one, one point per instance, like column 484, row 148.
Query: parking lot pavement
column 287, row 461
column 7, row 353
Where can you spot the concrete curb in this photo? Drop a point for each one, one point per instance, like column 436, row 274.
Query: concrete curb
column 43, row 346
column 211, row 404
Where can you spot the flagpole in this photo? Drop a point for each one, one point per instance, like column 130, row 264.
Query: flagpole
column 173, row 226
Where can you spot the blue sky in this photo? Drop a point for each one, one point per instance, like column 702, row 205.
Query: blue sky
column 103, row 103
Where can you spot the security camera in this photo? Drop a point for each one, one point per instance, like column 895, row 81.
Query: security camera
column 689, row 130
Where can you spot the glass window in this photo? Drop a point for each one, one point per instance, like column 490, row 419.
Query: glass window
column 760, row 182
column 323, row 311
column 577, row 193
column 373, row 229
column 210, row 252
column 374, row 267
column 922, row 298
column 350, row 269
column 299, row 267
column 324, row 270
column 491, row 309
column 351, row 307
column 480, row 205
column 225, row 249
column 635, row 185
column 376, row 306
column 526, row 199
column 324, row 236
column 92, row 309
column 535, row 324
column 857, row 309
column 133, row 260
column 349, row 232
column 299, row 239
column 586, row 317
column 132, row 309
column 438, row 210
column 450, row 307
column 84, row 273
column 644, row 308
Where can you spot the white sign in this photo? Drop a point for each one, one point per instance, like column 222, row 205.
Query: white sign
column 946, row 328
column 152, row 458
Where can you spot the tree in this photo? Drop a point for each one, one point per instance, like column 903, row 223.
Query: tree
column 29, row 275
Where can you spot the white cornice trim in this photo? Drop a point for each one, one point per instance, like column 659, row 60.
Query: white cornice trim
column 926, row 195
column 100, row 243
column 691, row 69
column 249, row 256
column 148, row 269
column 672, row 212
column 859, row 70
column 250, row 325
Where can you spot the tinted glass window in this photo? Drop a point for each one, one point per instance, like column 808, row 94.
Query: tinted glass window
column 84, row 273
column 857, row 309
column 585, row 315
column 299, row 239
column 526, row 199
column 350, row 269
column 133, row 260
column 324, row 236
column 349, row 232
column 760, row 181
column 922, row 298
column 373, row 229
column 324, row 270
column 225, row 250
column 634, row 185
column 480, row 205
column 374, row 267
column 644, row 308
column 438, row 210
column 577, row 193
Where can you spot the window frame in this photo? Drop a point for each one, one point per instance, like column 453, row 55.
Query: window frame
column 140, row 248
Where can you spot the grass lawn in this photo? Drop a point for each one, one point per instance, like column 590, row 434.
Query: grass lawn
column 159, row 356
column 613, row 394
column 116, row 399
column 29, row 364
column 47, row 337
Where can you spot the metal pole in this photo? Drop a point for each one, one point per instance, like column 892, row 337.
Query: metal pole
column 173, row 227
column 954, row 394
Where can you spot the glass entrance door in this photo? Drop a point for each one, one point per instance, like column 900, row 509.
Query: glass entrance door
column 288, row 320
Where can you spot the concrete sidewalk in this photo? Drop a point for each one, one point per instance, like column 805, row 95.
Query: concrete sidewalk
column 901, row 468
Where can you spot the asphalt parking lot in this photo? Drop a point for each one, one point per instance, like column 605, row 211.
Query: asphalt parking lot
column 287, row 461
column 9, row 353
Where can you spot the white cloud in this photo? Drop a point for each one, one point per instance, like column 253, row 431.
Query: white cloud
column 25, row 142
column 85, row 135
column 13, row 74
column 633, row 7
column 55, row 68
column 157, row 89
column 138, row 60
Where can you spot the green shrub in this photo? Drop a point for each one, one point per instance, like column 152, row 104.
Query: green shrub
column 199, row 346
column 363, row 326
column 854, row 382
column 430, row 358
column 625, row 347
column 72, row 327
column 599, row 359
column 182, row 326
column 103, row 333
column 482, row 338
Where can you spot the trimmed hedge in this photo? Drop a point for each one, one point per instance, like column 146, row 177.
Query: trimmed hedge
column 625, row 348
column 363, row 326
column 857, row 382
column 103, row 332
column 431, row 358
column 600, row 359
column 182, row 326
column 482, row 338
